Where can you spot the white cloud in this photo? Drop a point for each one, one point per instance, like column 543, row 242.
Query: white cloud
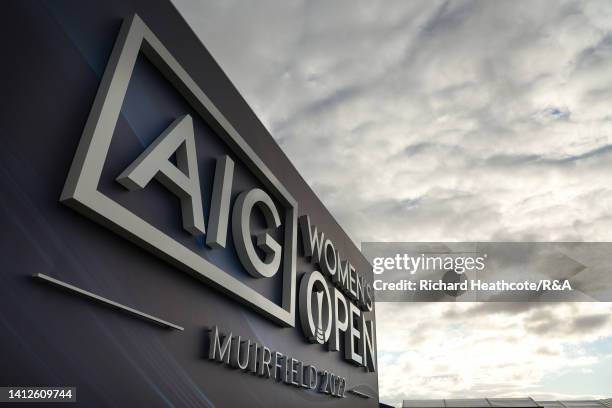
column 484, row 350
column 454, row 120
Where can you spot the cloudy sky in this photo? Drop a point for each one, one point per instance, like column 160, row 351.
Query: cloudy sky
column 445, row 121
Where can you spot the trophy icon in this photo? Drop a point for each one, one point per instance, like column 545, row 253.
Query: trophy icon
column 315, row 308
column 320, row 332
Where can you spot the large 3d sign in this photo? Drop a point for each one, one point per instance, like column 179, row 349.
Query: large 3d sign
column 331, row 301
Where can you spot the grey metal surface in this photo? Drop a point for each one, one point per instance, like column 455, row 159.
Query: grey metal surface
column 471, row 403
column 526, row 402
column 582, row 404
column 424, row 403
column 512, row 402
column 467, row 403
column 551, row 404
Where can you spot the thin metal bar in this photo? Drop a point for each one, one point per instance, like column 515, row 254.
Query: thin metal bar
column 107, row 302
column 360, row 394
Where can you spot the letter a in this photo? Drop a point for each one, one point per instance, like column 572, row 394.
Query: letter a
column 182, row 180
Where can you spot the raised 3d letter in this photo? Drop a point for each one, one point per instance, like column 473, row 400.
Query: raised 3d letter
column 243, row 241
column 182, row 180
column 218, row 218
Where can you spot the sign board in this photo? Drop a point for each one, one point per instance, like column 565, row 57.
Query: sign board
column 160, row 248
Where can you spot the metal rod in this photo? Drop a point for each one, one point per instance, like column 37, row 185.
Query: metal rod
column 108, row 302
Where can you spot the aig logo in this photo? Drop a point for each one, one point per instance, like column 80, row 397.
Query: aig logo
column 333, row 300
column 262, row 256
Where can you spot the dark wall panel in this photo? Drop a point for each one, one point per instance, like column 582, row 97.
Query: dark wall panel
column 55, row 53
